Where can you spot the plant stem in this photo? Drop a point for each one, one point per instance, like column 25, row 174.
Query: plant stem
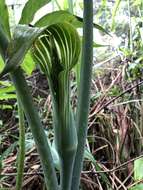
column 70, row 3
column 59, row 7
column 36, row 128
column 84, row 91
column 65, row 131
column 130, row 28
column 21, row 155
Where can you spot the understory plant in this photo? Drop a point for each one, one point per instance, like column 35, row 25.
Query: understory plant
column 55, row 46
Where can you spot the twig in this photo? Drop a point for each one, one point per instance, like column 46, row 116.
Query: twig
column 130, row 174
column 110, row 101
column 118, row 167
column 137, row 182
column 114, row 177
column 14, row 174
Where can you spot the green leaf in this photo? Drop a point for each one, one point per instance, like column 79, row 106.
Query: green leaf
column 23, row 38
column 55, row 156
column 28, row 64
column 137, row 187
column 97, row 26
column 138, row 169
column 3, row 42
column 63, row 4
column 115, row 9
column 7, row 96
column 56, row 17
column 9, row 150
column 1, row 64
column 96, row 45
column 88, row 155
column 65, row 16
column 7, row 92
column 3, row 106
column 7, row 89
column 4, row 17
column 31, row 7
column 30, row 144
column 5, row 83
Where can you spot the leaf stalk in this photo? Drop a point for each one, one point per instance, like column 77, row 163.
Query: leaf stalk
column 21, row 155
column 84, row 91
column 36, row 128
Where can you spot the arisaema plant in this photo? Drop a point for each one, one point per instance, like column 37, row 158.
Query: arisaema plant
column 55, row 46
column 57, row 50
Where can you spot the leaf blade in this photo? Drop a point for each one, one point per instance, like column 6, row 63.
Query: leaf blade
column 65, row 16
column 57, row 17
column 4, row 17
column 138, row 168
column 31, row 7
column 22, row 40
column 3, row 42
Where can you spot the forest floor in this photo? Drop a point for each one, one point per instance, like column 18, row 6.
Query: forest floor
column 113, row 134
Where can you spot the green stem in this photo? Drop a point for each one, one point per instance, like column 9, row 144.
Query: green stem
column 65, row 131
column 70, row 3
column 67, row 155
column 36, row 128
column 21, row 155
column 130, row 28
column 84, row 91
column 115, row 9
column 59, row 7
